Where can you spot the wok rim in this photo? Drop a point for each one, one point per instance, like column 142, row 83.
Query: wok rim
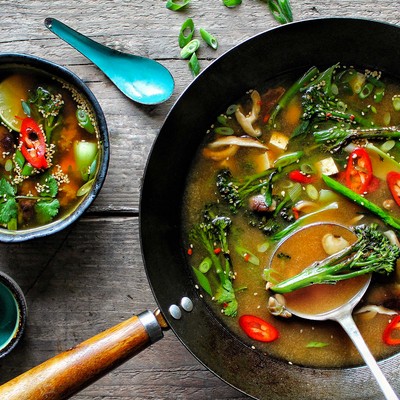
column 338, row 378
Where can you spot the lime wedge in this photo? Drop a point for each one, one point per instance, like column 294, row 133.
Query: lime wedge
column 13, row 90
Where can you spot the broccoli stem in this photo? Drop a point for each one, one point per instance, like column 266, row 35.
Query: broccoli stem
column 291, row 92
column 362, row 201
column 335, row 138
column 372, row 252
column 290, row 228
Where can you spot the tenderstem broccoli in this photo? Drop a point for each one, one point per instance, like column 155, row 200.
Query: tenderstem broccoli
column 45, row 108
column 212, row 234
column 235, row 191
column 371, row 252
column 335, row 138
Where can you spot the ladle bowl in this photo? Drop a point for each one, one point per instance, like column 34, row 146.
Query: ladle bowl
column 342, row 314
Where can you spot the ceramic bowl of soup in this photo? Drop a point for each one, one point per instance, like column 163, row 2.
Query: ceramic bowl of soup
column 54, row 147
column 13, row 314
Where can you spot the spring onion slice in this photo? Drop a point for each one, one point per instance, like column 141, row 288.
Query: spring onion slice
column 186, row 33
column 224, row 130
column 281, row 10
column 176, row 5
column 194, row 65
column 209, row 39
column 232, row 3
column 190, row 48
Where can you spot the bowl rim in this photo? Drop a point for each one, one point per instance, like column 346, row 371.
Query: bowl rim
column 59, row 71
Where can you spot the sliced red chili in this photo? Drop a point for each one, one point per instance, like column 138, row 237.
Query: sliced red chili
column 393, row 181
column 258, row 329
column 359, row 171
column 300, row 177
column 33, row 143
column 388, row 334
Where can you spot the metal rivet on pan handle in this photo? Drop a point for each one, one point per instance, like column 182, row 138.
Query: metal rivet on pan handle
column 175, row 311
column 187, row 304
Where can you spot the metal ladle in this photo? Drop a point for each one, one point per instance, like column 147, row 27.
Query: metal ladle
column 141, row 79
column 343, row 315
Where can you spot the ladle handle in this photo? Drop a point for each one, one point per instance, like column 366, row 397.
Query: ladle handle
column 67, row 373
column 95, row 52
column 351, row 329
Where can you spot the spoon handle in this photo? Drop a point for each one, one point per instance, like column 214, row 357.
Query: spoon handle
column 351, row 329
column 95, row 52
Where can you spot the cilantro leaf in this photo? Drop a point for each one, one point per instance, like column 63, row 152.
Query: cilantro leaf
column 6, row 189
column 8, row 210
column 50, row 185
column 46, row 210
column 8, row 204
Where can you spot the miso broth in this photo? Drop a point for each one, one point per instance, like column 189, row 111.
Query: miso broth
column 270, row 150
column 50, row 148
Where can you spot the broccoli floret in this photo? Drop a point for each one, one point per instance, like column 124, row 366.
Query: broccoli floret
column 236, row 191
column 212, row 233
column 45, row 107
column 371, row 252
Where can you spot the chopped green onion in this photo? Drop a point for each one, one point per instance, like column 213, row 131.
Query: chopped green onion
column 84, row 188
column 176, row 5
column 205, row 265
column 186, row 33
column 203, row 281
column 209, row 39
column 190, row 48
column 194, row 65
column 231, row 109
column 8, row 165
column 247, row 255
column 232, row 3
column 366, row 90
column 27, row 169
column 295, row 192
column 378, row 95
column 281, row 10
column 386, row 118
column 288, row 159
column 19, row 158
column 396, row 102
column 263, row 247
column 312, row 192
column 307, row 169
column 224, row 130
column 84, row 120
column 222, row 119
column 388, row 145
column 317, row 344
column 12, row 224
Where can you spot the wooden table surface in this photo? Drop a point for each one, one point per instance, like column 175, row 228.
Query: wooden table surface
column 91, row 276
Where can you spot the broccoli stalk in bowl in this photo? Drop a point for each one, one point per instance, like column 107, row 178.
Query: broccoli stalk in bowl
column 371, row 252
column 212, row 235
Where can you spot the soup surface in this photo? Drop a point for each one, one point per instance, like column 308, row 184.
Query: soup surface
column 302, row 149
column 50, row 149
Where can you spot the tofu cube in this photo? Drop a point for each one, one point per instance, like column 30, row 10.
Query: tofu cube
column 279, row 141
column 327, row 166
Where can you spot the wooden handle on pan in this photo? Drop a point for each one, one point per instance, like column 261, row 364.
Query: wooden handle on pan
column 71, row 371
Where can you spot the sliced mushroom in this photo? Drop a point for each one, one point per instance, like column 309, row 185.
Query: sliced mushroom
column 332, row 244
column 237, row 141
column 247, row 121
column 276, row 306
column 257, row 203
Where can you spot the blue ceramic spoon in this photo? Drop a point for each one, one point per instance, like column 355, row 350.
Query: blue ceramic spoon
column 141, row 79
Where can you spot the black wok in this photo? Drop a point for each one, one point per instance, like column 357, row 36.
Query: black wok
column 294, row 47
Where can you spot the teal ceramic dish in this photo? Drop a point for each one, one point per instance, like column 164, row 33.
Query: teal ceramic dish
column 13, row 314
